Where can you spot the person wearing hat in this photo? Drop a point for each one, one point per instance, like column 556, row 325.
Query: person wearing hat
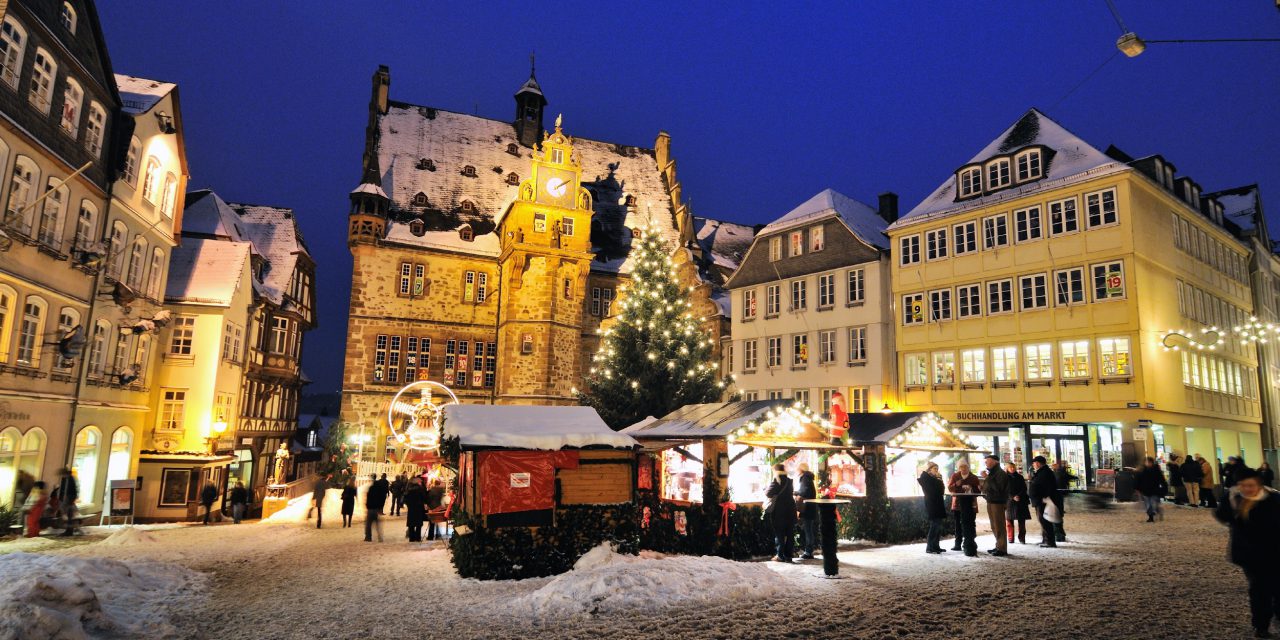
column 1043, row 488
column 996, row 492
column 781, row 513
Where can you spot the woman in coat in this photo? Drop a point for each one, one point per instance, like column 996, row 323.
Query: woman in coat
column 934, row 505
column 781, row 513
column 415, row 506
column 1253, row 513
column 1152, row 485
column 1019, row 510
column 348, row 502
column 965, row 489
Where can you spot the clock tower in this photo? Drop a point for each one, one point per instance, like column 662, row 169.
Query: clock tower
column 544, row 259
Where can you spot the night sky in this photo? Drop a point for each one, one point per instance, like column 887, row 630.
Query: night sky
column 766, row 103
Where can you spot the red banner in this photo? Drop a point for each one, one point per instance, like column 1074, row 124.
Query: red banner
column 513, row 481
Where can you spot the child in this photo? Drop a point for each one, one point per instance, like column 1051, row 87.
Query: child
column 37, row 500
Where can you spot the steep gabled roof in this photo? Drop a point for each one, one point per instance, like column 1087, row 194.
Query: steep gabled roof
column 860, row 218
column 275, row 233
column 724, row 243
column 206, row 271
column 139, row 95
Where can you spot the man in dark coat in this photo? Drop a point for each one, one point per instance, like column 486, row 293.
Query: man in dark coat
column 398, row 487
column 1253, row 513
column 374, row 501
column 1018, row 510
column 1063, row 476
column 781, row 513
column 808, row 513
column 434, row 500
column 1151, row 484
column 934, row 505
column 317, row 496
column 207, row 497
column 1192, row 476
column 386, row 484
column 239, row 502
column 1174, row 470
column 415, row 504
column 996, row 492
column 68, row 494
column 1044, row 487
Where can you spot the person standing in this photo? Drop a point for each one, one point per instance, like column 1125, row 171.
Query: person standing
column 1228, row 472
column 34, row 506
column 965, row 489
column 1063, row 476
column 348, row 502
column 1252, row 512
column 385, row 484
column 208, row 495
column 1017, row 511
column 1043, row 490
column 1266, row 475
column 1151, row 484
column 398, row 487
column 434, row 500
column 1207, row 495
column 1175, row 480
column 68, row 495
column 995, row 490
column 1192, row 476
column 239, row 502
column 415, row 503
column 934, row 505
column 374, row 501
column 317, row 496
column 781, row 513
column 808, row 513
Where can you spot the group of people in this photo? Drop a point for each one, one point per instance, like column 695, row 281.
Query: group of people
column 787, row 505
column 58, row 505
column 408, row 493
column 1191, row 480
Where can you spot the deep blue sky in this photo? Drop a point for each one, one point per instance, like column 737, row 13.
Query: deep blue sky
column 767, row 103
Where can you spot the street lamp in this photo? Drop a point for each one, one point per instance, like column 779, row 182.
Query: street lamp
column 885, row 409
column 219, row 427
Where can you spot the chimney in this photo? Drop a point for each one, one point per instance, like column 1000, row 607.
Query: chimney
column 889, row 207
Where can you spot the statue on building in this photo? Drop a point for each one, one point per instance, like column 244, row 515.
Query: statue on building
column 555, row 234
column 282, row 455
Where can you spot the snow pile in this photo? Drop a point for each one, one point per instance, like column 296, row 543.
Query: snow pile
column 129, row 536
column 603, row 581
column 44, row 596
column 296, row 512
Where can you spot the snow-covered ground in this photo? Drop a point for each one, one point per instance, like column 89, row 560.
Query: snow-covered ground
column 1117, row 578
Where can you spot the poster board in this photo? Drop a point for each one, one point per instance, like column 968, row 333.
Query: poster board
column 174, row 484
column 120, row 498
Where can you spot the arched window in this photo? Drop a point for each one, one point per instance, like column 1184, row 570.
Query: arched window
column 31, row 452
column 151, row 181
column 13, row 43
column 9, row 466
column 170, row 194
column 85, row 463
column 43, row 73
column 31, row 332
column 84, row 225
column 137, row 263
column 121, row 454
column 140, row 354
column 68, row 320
column 131, row 161
column 154, row 276
column 98, row 347
column 120, row 356
column 1029, row 165
column 21, row 193
column 115, row 249
column 94, row 128
column 49, row 231
column 68, row 17
column 8, row 298
column 72, row 96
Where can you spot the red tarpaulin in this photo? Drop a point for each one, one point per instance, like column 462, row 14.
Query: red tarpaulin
column 513, row 481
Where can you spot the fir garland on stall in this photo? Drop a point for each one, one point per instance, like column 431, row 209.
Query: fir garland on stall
column 511, row 553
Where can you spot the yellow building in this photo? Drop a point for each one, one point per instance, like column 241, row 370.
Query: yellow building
column 1035, row 291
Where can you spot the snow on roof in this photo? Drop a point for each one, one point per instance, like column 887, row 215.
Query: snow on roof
column 409, row 134
column 862, row 219
column 485, row 245
column 530, row 85
column 725, row 243
column 710, row 420
column 276, row 236
column 206, row 271
column 1069, row 159
column 139, row 95
column 1240, row 205
column 366, row 187
column 525, row 427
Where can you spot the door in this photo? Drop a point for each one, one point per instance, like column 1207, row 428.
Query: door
column 1072, row 452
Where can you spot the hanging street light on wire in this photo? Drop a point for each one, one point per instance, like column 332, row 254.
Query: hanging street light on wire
column 1132, row 46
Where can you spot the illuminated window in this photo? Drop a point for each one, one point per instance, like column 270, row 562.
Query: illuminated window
column 817, row 239
column 944, row 367
column 1113, row 353
column 797, row 243
column 1039, row 359
column 800, row 350
column 916, row 369
column 1004, row 364
column 1075, row 359
column 973, row 366
column 775, row 249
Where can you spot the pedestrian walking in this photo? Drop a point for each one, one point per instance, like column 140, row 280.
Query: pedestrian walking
column 317, row 498
column 68, row 495
column 348, row 502
column 995, row 490
column 1192, row 476
column 1018, row 509
column 415, row 505
column 374, row 501
column 1043, row 491
column 1252, row 512
column 385, row 484
column 398, row 487
column 965, row 489
column 1266, row 475
column 1152, row 486
column 1063, row 476
column 808, row 490
column 934, row 505
column 1208, row 497
column 208, row 495
column 435, row 500
column 33, row 507
column 239, row 502
column 781, row 513
column 1175, row 480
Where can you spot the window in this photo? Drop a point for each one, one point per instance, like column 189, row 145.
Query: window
column 799, row 295
column 966, row 237
column 1039, row 361
column 1027, row 224
column 8, row 298
column 1075, row 359
column 944, row 367
column 606, row 305
column 140, row 357
column 170, row 194
column 566, row 226
column 131, row 161
column 68, row 321
column 775, row 249
column 43, row 73
column 749, row 356
column 1108, row 281
column 749, row 304
column 539, row 222
column 1034, row 295
column 750, row 396
column 68, row 18
column 857, row 344
column 482, row 287
column 859, row 399
column 998, row 174
column 1004, row 364
column 797, row 243
column 1029, row 167
column 973, row 366
column 468, row 286
column 393, row 358
column 817, row 238
column 913, row 308
column 115, row 250
column 935, row 243
column 772, row 300
column 995, row 232
column 800, row 350
column 137, row 255
column 380, row 358
column 801, row 396
column 31, row 332
column 826, row 347
column 826, row 290
column 84, row 226
column 970, row 182
column 120, row 355
column 775, row 352
column 916, row 369
column 1069, row 286
column 151, row 181
column 406, row 269
column 85, row 463
column 182, row 335
column 909, row 250
column 49, row 231
column 969, row 301
column 21, row 192
column 72, row 98
column 172, row 408
column 1113, row 353
column 469, row 171
column 1063, row 217
column 940, row 305
column 156, row 274
column 231, row 342
column 857, row 286
column 1101, row 208
column 13, row 43
column 98, row 348
column 279, row 335
column 490, row 363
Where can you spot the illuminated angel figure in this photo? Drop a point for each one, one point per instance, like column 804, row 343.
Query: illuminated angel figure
column 415, row 421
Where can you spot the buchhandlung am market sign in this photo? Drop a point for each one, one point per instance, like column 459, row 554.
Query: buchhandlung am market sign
column 1011, row 415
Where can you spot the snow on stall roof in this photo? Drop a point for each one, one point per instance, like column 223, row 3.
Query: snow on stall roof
column 724, row 242
column 862, row 219
column 1069, row 160
column 139, row 95
column 204, row 270
column 525, row 427
column 707, row 420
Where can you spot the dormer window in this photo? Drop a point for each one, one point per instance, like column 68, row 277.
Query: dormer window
column 513, row 149
column 1029, row 165
column 68, row 18
column 970, row 182
column 557, row 156
column 420, row 200
column 469, row 171
column 1168, row 177
column 466, row 233
column 427, row 164
column 468, row 206
column 1194, row 196
column 998, row 173
column 417, row 228
column 513, row 179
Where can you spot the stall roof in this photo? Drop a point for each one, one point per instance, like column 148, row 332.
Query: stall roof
column 880, row 428
column 524, row 427
column 711, row 420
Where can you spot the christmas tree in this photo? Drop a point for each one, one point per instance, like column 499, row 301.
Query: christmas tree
column 655, row 357
column 336, row 464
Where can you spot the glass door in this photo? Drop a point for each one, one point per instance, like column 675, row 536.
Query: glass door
column 1072, row 452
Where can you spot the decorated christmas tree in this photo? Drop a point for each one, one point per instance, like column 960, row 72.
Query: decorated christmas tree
column 655, row 357
column 338, row 454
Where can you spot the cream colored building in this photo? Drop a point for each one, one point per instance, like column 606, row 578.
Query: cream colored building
column 1035, row 290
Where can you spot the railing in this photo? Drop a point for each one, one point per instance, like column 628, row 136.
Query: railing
column 392, row 469
column 299, row 487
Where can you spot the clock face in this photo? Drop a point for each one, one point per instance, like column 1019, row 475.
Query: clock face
column 557, row 187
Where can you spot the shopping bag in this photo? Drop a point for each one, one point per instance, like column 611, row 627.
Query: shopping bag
column 1051, row 512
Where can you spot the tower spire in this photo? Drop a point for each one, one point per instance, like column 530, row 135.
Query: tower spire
column 533, row 65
